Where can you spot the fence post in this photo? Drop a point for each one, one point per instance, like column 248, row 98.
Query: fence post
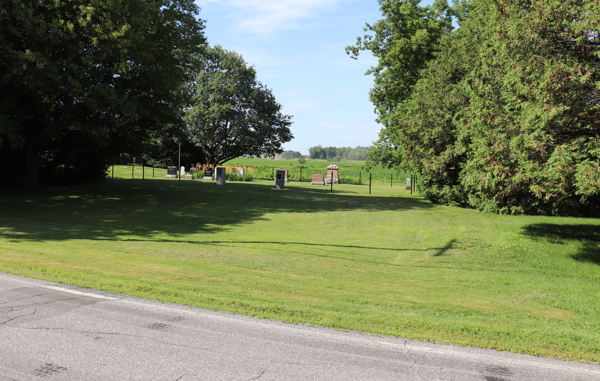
column 359, row 177
column 369, row 182
column 391, row 179
column 300, row 174
column 412, row 178
column 152, row 170
column 113, row 171
column 143, row 170
column 132, row 167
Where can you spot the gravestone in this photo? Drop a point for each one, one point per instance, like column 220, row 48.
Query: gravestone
column 280, row 178
column 285, row 175
column 332, row 174
column 193, row 170
column 182, row 171
column 171, row 172
column 240, row 171
column 408, row 184
column 318, row 179
column 208, row 174
column 221, row 173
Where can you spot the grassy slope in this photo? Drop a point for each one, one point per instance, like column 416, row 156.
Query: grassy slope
column 387, row 263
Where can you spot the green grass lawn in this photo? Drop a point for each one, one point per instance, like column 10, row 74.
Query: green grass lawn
column 387, row 263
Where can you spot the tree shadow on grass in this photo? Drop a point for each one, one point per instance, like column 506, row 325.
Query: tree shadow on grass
column 144, row 208
column 587, row 234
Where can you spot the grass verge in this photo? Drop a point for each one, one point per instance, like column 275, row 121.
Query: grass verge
column 387, row 263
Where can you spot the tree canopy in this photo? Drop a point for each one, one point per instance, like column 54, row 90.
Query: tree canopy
column 232, row 114
column 83, row 80
column 504, row 116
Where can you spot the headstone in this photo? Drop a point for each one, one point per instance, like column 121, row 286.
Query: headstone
column 285, row 175
column 280, row 178
column 171, row 172
column 182, row 171
column 221, row 172
column 332, row 174
column 318, row 179
column 240, row 171
column 193, row 170
column 408, row 184
column 208, row 174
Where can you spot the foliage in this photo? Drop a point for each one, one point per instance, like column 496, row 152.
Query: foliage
column 82, row 80
column 403, row 41
column 291, row 154
column 234, row 176
column 504, row 117
column 338, row 154
column 232, row 113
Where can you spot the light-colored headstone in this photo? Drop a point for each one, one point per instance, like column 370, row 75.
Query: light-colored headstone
column 280, row 178
column 408, row 183
column 182, row 171
column 221, row 173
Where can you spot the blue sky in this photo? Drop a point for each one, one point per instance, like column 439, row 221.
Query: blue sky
column 297, row 48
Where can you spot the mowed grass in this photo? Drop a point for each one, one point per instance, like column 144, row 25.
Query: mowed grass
column 386, row 263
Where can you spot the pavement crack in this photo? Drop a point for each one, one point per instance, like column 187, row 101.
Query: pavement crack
column 26, row 297
column 259, row 376
column 414, row 361
column 18, row 316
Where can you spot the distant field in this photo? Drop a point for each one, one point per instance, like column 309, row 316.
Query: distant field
column 387, row 263
column 351, row 172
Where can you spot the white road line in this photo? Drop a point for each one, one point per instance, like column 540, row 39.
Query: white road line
column 60, row 289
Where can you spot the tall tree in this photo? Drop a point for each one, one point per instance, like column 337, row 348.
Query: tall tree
column 80, row 79
column 504, row 118
column 232, row 114
column 404, row 40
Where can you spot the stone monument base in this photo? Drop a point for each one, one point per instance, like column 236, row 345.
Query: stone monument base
column 207, row 178
column 317, row 183
column 171, row 176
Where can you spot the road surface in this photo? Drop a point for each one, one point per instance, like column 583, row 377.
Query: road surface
column 55, row 332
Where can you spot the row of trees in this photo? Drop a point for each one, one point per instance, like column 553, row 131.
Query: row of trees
column 502, row 114
column 338, row 153
column 289, row 154
column 82, row 81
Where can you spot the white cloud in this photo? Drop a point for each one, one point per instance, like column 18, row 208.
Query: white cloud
column 265, row 17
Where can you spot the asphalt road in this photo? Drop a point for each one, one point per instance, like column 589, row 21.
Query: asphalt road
column 56, row 332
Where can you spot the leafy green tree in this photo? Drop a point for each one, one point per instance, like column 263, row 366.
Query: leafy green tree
column 403, row 41
column 534, row 109
column 232, row 114
column 504, row 118
column 82, row 80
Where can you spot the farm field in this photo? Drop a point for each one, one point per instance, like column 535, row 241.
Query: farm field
column 386, row 263
column 351, row 172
